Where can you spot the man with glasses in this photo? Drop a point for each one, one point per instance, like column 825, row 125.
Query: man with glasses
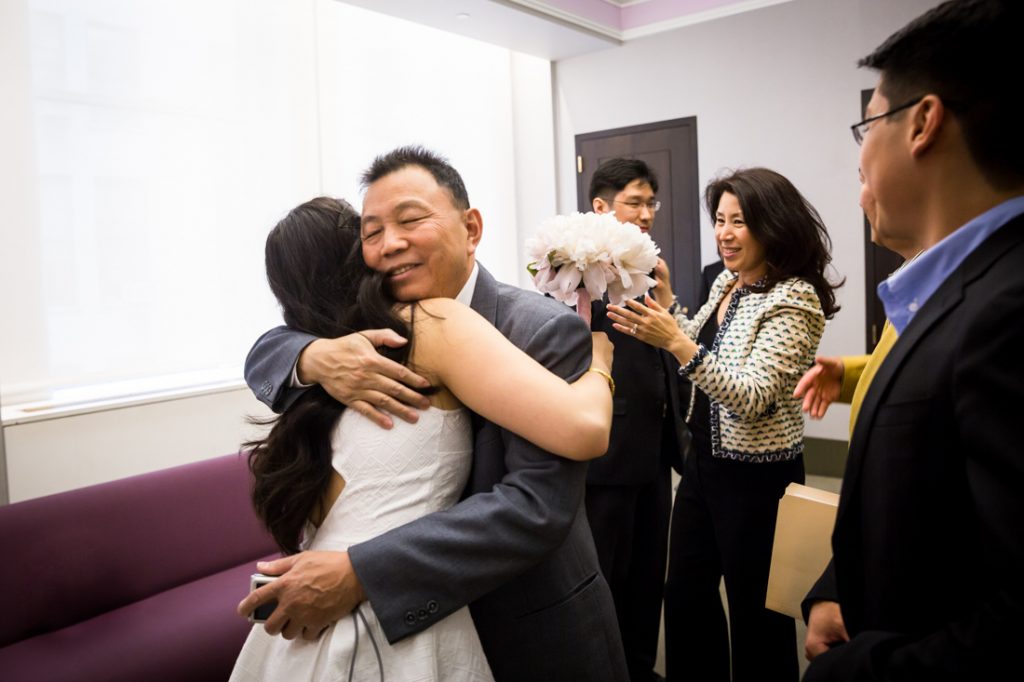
column 629, row 490
column 928, row 567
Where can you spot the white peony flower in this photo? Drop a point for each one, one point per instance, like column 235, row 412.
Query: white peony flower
column 593, row 251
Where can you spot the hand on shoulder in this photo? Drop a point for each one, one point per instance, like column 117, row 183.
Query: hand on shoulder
column 352, row 371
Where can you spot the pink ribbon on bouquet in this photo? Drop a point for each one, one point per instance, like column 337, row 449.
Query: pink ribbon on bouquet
column 583, row 304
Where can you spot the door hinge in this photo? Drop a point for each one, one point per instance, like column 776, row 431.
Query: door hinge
column 579, row 164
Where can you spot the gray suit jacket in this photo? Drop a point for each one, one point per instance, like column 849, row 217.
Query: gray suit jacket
column 517, row 548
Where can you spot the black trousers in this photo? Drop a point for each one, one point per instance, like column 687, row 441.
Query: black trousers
column 723, row 524
column 630, row 527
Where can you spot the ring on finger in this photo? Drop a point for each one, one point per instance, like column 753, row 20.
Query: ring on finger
column 633, row 330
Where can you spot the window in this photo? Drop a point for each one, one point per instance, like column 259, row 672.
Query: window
column 157, row 144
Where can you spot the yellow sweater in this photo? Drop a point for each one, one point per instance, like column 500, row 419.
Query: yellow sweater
column 859, row 370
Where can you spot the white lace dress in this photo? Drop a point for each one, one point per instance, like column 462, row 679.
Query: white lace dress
column 391, row 477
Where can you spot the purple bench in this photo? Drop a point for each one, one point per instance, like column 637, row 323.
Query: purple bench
column 136, row 579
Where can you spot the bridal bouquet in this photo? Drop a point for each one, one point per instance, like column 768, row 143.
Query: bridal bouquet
column 577, row 258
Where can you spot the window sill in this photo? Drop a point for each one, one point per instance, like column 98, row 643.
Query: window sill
column 45, row 410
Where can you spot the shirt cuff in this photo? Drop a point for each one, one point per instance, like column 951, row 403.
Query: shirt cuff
column 695, row 361
column 295, row 383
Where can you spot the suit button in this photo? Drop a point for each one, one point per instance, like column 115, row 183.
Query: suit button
column 410, row 618
column 267, row 388
column 422, row 614
column 432, row 606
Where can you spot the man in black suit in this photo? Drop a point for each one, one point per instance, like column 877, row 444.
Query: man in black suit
column 629, row 490
column 927, row 580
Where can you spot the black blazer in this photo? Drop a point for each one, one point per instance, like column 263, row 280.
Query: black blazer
column 708, row 276
column 648, row 434
column 929, row 539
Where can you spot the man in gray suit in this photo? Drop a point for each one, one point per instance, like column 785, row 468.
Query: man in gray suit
column 517, row 548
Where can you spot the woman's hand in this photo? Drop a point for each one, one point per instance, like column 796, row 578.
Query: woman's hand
column 651, row 323
column 603, row 351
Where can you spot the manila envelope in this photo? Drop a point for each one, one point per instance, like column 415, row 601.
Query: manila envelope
column 803, row 546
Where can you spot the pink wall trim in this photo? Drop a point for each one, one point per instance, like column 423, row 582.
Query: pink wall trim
column 654, row 11
column 640, row 14
column 598, row 11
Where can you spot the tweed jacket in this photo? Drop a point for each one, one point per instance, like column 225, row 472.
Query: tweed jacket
column 763, row 346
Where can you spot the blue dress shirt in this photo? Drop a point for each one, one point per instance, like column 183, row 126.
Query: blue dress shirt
column 909, row 288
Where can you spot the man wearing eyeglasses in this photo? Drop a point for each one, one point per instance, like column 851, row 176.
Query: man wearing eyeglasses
column 928, row 567
column 629, row 494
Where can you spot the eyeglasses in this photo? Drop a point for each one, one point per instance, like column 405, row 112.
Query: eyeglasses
column 859, row 129
column 652, row 205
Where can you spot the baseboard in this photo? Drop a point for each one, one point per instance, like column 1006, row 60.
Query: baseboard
column 825, row 457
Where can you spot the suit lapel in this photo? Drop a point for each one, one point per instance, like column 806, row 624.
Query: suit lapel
column 485, row 296
column 485, row 302
column 944, row 300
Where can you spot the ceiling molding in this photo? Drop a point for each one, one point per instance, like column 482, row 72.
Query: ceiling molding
column 695, row 18
column 625, row 3
column 545, row 10
column 498, row 22
column 538, row 28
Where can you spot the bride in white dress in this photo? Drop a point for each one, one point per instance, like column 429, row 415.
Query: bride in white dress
column 328, row 478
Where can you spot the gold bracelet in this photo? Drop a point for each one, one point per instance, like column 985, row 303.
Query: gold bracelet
column 606, row 375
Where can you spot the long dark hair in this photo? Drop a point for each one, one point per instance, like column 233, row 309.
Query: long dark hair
column 316, row 270
column 789, row 229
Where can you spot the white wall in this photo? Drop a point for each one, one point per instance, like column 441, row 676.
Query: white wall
column 480, row 105
column 775, row 87
column 535, row 180
column 54, row 455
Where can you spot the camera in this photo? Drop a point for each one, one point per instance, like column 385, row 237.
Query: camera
column 261, row 613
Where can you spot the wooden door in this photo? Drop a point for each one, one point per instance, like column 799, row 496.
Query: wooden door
column 670, row 149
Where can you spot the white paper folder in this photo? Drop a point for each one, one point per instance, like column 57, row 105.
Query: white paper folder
column 803, row 546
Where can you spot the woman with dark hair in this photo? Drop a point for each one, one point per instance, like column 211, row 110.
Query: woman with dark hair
column 327, row 477
column 744, row 352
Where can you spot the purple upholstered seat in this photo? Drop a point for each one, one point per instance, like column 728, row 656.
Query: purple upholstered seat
column 135, row 579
